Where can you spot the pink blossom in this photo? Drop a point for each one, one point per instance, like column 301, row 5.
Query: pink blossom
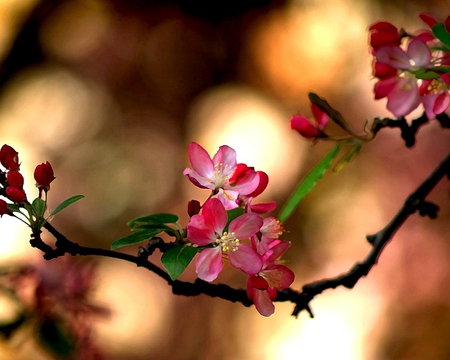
column 306, row 128
column 216, row 174
column 208, row 229
column 435, row 97
column 402, row 91
column 270, row 230
column 262, row 287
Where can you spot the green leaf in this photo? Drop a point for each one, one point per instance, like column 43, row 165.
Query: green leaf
column 155, row 219
column 39, row 207
column 348, row 157
column 441, row 34
column 14, row 207
column 135, row 238
column 426, row 74
column 66, row 203
column 332, row 113
column 151, row 227
column 308, row 183
column 176, row 259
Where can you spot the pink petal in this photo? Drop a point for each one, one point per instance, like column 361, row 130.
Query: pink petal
column 278, row 249
column 393, row 56
column 428, row 102
column 304, row 127
column 404, row 98
column 198, row 180
column 262, row 184
column 428, row 19
column 228, row 198
column 215, row 215
column 199, row 232
column 320, row 116
column 247, row 184
column 419, row 52
column 225, row 157
column 279, row 277
column 209, row 263
column 263, row 208
column 246, row 225
column 263, row 303
column 442, row 103
column 200, row 160
column 245, row 259
column 383, row 87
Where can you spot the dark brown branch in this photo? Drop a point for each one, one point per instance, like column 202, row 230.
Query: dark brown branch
column 415, row 202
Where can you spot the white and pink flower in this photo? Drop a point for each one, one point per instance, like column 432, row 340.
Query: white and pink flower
column 208, row 228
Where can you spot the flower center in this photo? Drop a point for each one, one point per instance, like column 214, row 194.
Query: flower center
column 228, row 242
column 222, row 174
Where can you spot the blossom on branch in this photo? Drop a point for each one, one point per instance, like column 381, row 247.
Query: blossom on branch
column 218, row 174
column 262, row 287
column 9, row 157
column 208, row 229
column 43, row 174
column 306, row 128
column 3, row 207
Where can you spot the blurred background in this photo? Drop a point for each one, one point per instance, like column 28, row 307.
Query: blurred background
column 111, row 92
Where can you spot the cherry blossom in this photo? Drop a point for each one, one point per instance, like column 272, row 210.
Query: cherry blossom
column 217, row 174
column 208, row 229
column 306, row 128
column 43, row 174
column 262, row 287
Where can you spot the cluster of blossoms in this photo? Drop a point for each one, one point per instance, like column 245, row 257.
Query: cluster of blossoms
column 233, row 187
column 13, row 189
column 412, row 69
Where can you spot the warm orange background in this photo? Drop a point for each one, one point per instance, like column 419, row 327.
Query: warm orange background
column 121, row 91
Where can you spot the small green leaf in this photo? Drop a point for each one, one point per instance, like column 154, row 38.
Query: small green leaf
column 14, row 207
column 155, row 219
column 151, row 227
column 441, row 34
column 66, row 203
column 308, row 183
column 135, row 238
column 176, row 259
column 426, row 74
column 348, row 157
column 39, row 207
column 332, row 113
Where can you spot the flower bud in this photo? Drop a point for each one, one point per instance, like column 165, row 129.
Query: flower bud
column 304, row 127
column 14, row 178
column 43, row 174
column 3, row 207
column 193, row 207
column 9, row 157
column 16, row 194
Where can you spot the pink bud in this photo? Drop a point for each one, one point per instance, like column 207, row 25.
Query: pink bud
column 16, row 194
column 43, row 174
column 304, row 127
column 193, row 207
column 14, row 178
column 9, row 157
column 428, row 19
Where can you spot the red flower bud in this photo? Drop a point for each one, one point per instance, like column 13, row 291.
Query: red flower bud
column 14, row 178
column 9, row 157
column 3, row 207
column 304, row 127
column 43, row 174
column 193, row 207
column 383, row 33
column 447, row 24
column 16, row 194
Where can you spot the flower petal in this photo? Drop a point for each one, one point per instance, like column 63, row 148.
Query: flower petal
column 393, row 56
column 215, row 215
column 200, row 160
column 320, row 116
column 404, row 98
column 246, row 225
column 225, row 159
column 199, row 232
column 263, row 303
column 419, row 52
column 209, row 263
column 245, row 259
